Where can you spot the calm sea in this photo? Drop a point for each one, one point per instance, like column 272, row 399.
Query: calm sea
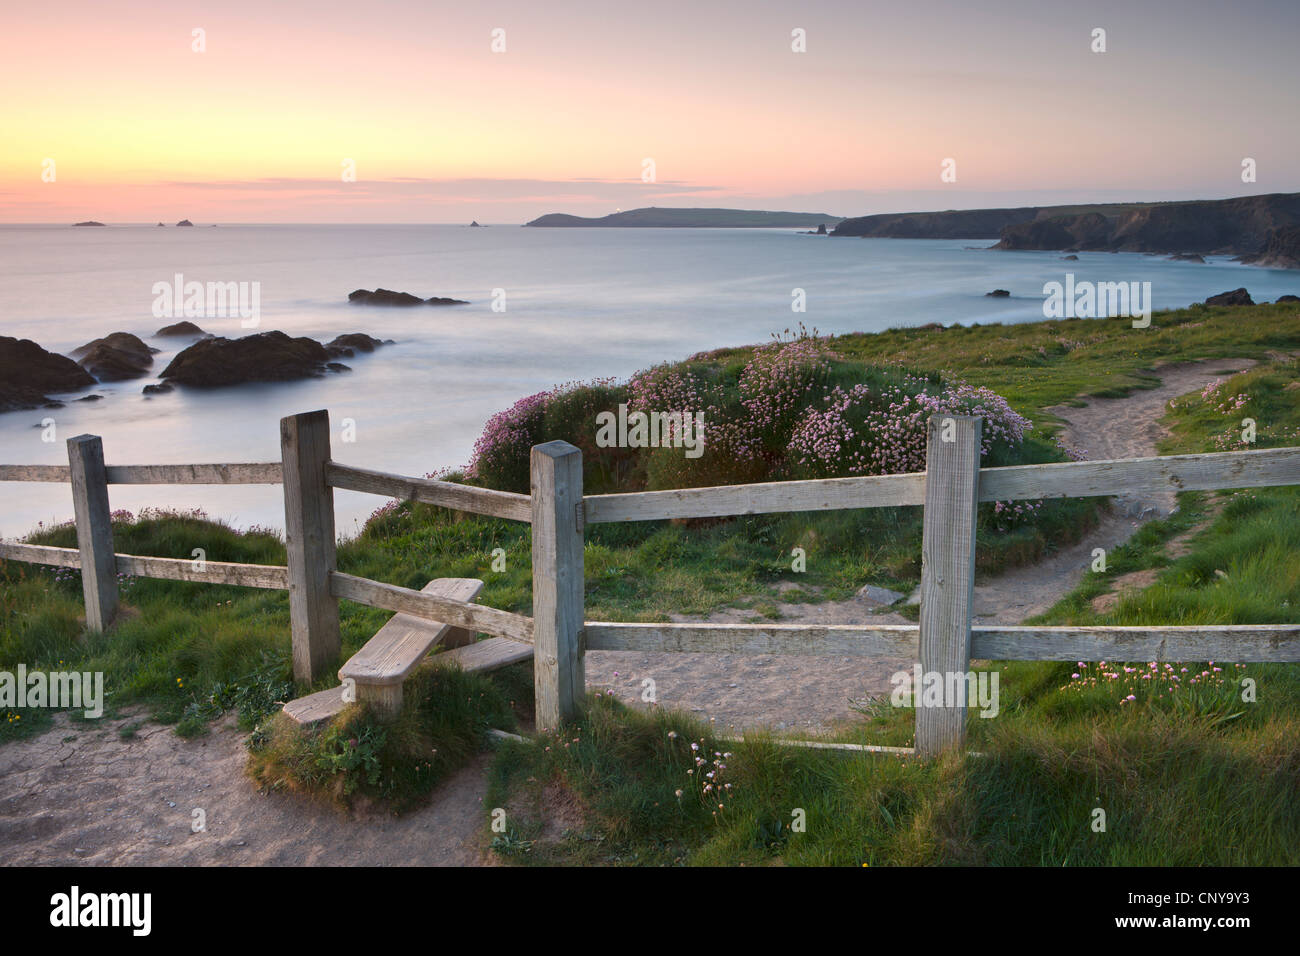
column 579, row 303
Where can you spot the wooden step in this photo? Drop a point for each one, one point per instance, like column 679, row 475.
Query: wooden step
column 378, row 670
column 398, row 647
column 322, row 705
column 486, row 655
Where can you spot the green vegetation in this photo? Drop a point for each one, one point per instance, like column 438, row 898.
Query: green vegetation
column 1187, row 776
column 399, row 761
column 1204, row 779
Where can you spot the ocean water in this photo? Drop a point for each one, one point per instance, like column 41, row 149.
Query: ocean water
column 579, row 304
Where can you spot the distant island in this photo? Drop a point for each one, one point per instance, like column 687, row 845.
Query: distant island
column 687, row 218
column 1263, row 230
column 88, row 222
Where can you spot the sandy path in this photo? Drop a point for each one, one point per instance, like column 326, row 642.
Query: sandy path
column 98, row 799
column 73, row 795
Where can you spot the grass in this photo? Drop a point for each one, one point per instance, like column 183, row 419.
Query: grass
column 1175, row 791
column 190, row 652
column 396, row 763
column 1202, row 775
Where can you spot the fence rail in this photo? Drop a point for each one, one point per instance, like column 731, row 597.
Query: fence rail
column 252, row 473
column 448, row 494
column 942, row 641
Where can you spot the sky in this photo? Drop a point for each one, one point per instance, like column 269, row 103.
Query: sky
column 391, row 111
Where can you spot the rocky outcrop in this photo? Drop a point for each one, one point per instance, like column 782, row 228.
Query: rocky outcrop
column 953, row 224
column 655, row 217
column 88, row 222
column 1222, row 227
column 1235, row 297
column 389, row 297
column 997, row 294
column 1281, row 250
column 181, row 330
column 185, row 222
column 345, row 346
column 264, row 357
column 1240, row 226
column 1187, row 257
column 1287, row 298
column 116, row 357
column 28, row 373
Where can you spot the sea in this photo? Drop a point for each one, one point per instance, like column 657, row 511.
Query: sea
column 546, row 306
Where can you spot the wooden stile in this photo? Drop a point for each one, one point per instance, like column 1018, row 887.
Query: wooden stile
column 94, row 530
column 952, row 463
column 559, row 671
column 309, row 542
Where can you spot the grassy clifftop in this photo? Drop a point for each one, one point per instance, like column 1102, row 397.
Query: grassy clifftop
column 1203, row 778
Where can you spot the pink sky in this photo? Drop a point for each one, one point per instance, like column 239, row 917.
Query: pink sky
column 256, row 128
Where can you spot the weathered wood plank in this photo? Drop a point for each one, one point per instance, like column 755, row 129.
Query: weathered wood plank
column 40, row 554
column 1082, row 479
column 390, row 597
column 489, row 655
column 448, row 494
column 809, row 640
column 398, row 647
column 322, row 705
column 52, row 473
column 952, row 468
column 771, row 497
column 244, row 473
column 309, row 543
column 559, row 676
column 94, row 530
column 830, row 745
column 1232, row 643
column 269, row 576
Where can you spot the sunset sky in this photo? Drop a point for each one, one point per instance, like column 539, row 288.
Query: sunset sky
column 256, row 128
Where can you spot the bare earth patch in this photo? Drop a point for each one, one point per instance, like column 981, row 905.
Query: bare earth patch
column 101, row 800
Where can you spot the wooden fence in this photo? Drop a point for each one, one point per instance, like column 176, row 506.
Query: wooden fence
column 943, row 641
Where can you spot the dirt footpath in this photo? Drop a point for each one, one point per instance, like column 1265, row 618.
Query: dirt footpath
column 74, row 795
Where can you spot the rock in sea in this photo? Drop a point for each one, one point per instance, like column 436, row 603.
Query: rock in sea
column 28, row 372
column 389, row 297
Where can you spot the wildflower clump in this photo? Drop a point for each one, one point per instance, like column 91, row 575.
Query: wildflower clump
column 706, row 781
column 793, row 408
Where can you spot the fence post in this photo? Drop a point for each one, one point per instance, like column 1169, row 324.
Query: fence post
column 309, row 540
column 558, row 671
column 952, row 462
column 94, row 530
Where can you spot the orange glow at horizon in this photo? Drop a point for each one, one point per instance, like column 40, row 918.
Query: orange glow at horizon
column 257, row 126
